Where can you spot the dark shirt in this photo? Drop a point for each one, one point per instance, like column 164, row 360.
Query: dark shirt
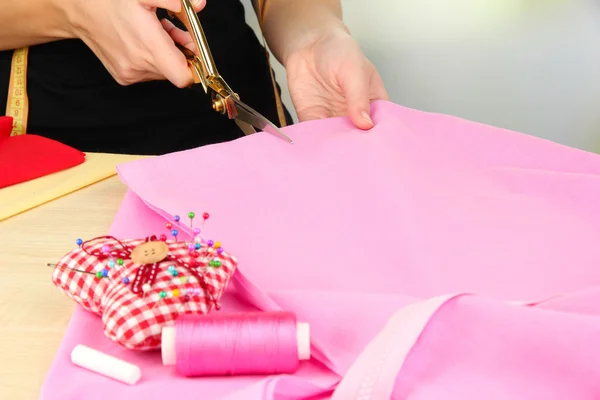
column 73, row 98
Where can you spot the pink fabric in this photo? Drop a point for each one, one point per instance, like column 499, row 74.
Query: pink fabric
column 423, row 205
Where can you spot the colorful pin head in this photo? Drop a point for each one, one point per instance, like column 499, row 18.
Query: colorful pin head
column 79, row 242
column 176, row 218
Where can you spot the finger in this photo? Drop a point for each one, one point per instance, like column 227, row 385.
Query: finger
column 355, row 86
column 179, row 36
column 198, row 4
column 378, row 91
column 172, row 5
column 168, row 59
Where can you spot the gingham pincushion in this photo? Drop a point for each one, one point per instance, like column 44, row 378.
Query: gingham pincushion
column 136, row 300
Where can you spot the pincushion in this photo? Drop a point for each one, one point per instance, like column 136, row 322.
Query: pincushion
column 138, row 286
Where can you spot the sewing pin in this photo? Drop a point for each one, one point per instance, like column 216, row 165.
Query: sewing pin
column 205, row 216
column 72, row 269
column 169, row 227
column 191, row 216
column 173, row 272
column 208, row 250
column 175, row 232
column 161, row 295
column 106, row 251
column 79, row 242
column 184, row 300
column 145, row 289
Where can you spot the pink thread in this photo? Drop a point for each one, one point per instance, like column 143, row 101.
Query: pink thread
column 252, row 343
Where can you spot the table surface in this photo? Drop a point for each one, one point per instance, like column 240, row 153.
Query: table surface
column 33, row 313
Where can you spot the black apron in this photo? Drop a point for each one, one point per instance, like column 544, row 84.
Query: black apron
column 73, row 98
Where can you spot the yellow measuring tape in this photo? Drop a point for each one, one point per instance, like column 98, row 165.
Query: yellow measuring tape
column 17, row 103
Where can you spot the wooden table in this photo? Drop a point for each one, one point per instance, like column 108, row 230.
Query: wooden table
column 33, row 313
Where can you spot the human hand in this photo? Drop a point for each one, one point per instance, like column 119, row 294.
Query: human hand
column 131, row 42
column 331, row 77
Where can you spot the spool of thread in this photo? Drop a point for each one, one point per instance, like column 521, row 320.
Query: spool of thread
column 220, row 344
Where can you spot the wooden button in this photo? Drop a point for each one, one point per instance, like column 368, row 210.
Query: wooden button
column 150, row 252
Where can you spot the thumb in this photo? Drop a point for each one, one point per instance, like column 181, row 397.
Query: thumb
column 198, row 4
column 355, row 86
column 173, row 5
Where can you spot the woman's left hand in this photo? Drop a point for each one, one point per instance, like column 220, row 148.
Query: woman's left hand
column 331, row 77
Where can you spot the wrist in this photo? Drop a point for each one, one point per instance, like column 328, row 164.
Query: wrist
column 65, row 12
column 311, row 38
column 291, row 26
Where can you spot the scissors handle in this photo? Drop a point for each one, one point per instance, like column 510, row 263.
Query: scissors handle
column 190, row 19
column 204, row 71
column 202, row 64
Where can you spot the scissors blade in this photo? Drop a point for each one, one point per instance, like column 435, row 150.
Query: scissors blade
column 248, row 116
column 245, row 127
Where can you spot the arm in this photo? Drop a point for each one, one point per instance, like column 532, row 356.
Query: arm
column 29, row 22
column 289, row 25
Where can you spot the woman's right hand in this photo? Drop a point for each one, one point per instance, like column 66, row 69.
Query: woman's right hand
column 131, row 42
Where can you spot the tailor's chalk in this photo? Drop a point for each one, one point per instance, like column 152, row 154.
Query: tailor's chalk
column 103, row 364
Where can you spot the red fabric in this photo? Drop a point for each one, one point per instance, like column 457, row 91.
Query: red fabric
column 26, row 157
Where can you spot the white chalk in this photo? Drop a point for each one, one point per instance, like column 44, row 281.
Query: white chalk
column 303, row 337
column 167, row 345
column 103, row 364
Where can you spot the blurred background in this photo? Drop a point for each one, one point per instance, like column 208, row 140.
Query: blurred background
column 531, row 66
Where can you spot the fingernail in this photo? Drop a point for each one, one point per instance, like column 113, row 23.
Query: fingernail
column 197, row 2
column 365, row 115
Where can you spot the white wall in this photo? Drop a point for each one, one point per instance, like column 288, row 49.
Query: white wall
column 527, row 65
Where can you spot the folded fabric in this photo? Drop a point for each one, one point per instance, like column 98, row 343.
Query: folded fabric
column 24, row 196
column 433, row 258
column 26, row 157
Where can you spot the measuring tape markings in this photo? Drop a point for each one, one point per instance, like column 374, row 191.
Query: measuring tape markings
column 17, row 103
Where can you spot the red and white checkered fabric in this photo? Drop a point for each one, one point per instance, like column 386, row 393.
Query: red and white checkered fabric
column 136, row 320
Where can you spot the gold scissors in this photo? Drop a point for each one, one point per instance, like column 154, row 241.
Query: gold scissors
column 204, row 70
